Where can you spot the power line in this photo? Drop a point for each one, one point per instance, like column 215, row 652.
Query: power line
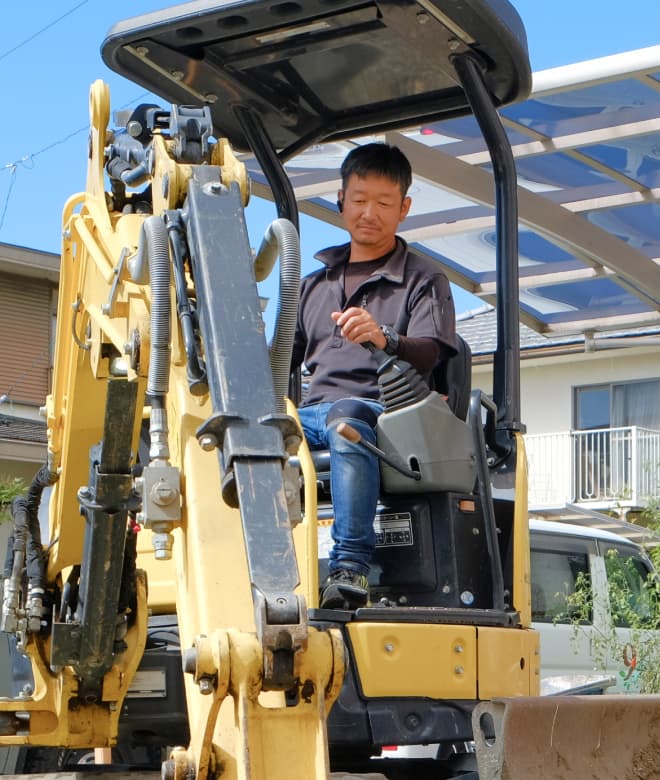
column 6, row 204
column 22, row 161
column 43, row 29
column 12, row 167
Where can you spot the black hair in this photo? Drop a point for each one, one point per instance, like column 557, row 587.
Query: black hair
column 379, row 158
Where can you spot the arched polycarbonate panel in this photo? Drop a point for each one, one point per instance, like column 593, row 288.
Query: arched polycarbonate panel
column 587, row 151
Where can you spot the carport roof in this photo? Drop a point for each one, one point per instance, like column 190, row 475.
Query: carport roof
column 580, row 515
column 587, row 151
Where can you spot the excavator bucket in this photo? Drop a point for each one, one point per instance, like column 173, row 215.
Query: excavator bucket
column 611, row 737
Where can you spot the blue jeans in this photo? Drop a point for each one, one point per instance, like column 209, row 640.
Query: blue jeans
column 354, row 484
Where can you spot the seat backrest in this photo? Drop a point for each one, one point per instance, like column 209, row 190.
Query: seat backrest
column 453, row 377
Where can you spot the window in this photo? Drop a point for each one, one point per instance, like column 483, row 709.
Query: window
column 592, row 407
column 616, row 441
column 554, row 577
column 637, row 403
column 632, row 602
column 618, row 405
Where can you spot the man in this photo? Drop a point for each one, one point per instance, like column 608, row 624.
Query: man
column 373, row 290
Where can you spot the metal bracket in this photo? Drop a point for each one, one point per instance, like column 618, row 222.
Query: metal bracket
column 211, row 433
column 76, row 306
column 118, row 270
column 190, row 128
column 282, row 636
column 160, row 488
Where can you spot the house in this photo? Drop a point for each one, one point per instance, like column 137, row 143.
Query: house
column 591, row 406
column 28, row 302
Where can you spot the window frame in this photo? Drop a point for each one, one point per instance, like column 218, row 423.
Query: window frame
column 578, row 389
column 548, row 542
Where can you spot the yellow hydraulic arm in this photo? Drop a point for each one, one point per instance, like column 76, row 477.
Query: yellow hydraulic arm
column 210, row 495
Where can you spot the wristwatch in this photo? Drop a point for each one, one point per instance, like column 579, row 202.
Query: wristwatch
column 391, row 338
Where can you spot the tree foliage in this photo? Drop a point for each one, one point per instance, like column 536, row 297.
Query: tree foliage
column 10, row 487
column 634, row 604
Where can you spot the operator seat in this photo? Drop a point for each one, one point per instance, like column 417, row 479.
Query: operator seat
column 431, row 549
column 453, row 377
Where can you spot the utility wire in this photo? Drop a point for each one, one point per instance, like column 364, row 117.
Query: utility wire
column 42, row 30
column 24, row 161
column 12, row 167
column 6, row 204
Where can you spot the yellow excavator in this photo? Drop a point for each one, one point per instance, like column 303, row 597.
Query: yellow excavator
column 173, row 608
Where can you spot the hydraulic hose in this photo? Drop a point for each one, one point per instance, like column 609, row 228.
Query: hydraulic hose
column 152, row 264
column 196, row 371
column 25, row 554
column 281, row 239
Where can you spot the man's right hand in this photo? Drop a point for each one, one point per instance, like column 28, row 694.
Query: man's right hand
column 358, row 326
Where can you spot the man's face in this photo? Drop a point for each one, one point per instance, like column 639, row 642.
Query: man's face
column 373, row 209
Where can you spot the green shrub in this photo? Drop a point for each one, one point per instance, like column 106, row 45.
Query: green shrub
column 10, row 487
column 634, row 603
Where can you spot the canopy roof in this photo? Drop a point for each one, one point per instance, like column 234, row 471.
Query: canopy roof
column 323, row 69
column 587, row 150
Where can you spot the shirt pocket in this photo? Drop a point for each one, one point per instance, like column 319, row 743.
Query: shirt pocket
column 442, row 315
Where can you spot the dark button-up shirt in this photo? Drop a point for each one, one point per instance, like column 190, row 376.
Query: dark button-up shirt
column 410, row 293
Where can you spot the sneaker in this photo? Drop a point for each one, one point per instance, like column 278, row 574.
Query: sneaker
column 344, row 589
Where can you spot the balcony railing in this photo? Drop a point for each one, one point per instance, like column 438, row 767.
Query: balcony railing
column 603, row 468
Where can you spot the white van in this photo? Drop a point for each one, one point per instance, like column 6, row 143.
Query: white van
column 560, row 553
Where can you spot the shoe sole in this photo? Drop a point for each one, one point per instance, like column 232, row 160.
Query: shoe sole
column 343, row 597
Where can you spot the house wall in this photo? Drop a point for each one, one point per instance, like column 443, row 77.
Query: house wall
column 28, row 300
column 26, row 311
column 547, row 383
column 28, row 295
column 11, row 469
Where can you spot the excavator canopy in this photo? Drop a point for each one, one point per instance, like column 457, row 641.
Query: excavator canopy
column 322, row 69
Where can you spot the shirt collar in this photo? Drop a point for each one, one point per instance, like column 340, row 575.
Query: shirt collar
column 392, row 269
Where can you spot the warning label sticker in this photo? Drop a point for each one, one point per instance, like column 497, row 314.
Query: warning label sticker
column 148, row 684
column 394, row 530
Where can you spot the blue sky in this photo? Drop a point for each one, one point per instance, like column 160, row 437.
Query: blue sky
column 49, row 56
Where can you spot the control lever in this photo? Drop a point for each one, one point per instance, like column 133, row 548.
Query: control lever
column 350, row 434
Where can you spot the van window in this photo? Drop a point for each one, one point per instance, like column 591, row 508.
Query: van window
column 631, row 600
column 554, row 577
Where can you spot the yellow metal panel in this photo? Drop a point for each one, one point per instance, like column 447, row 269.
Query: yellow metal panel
column 411, row 659
column 305, row 534
column 522, row 599
column 161, row 575
column 508, row 662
